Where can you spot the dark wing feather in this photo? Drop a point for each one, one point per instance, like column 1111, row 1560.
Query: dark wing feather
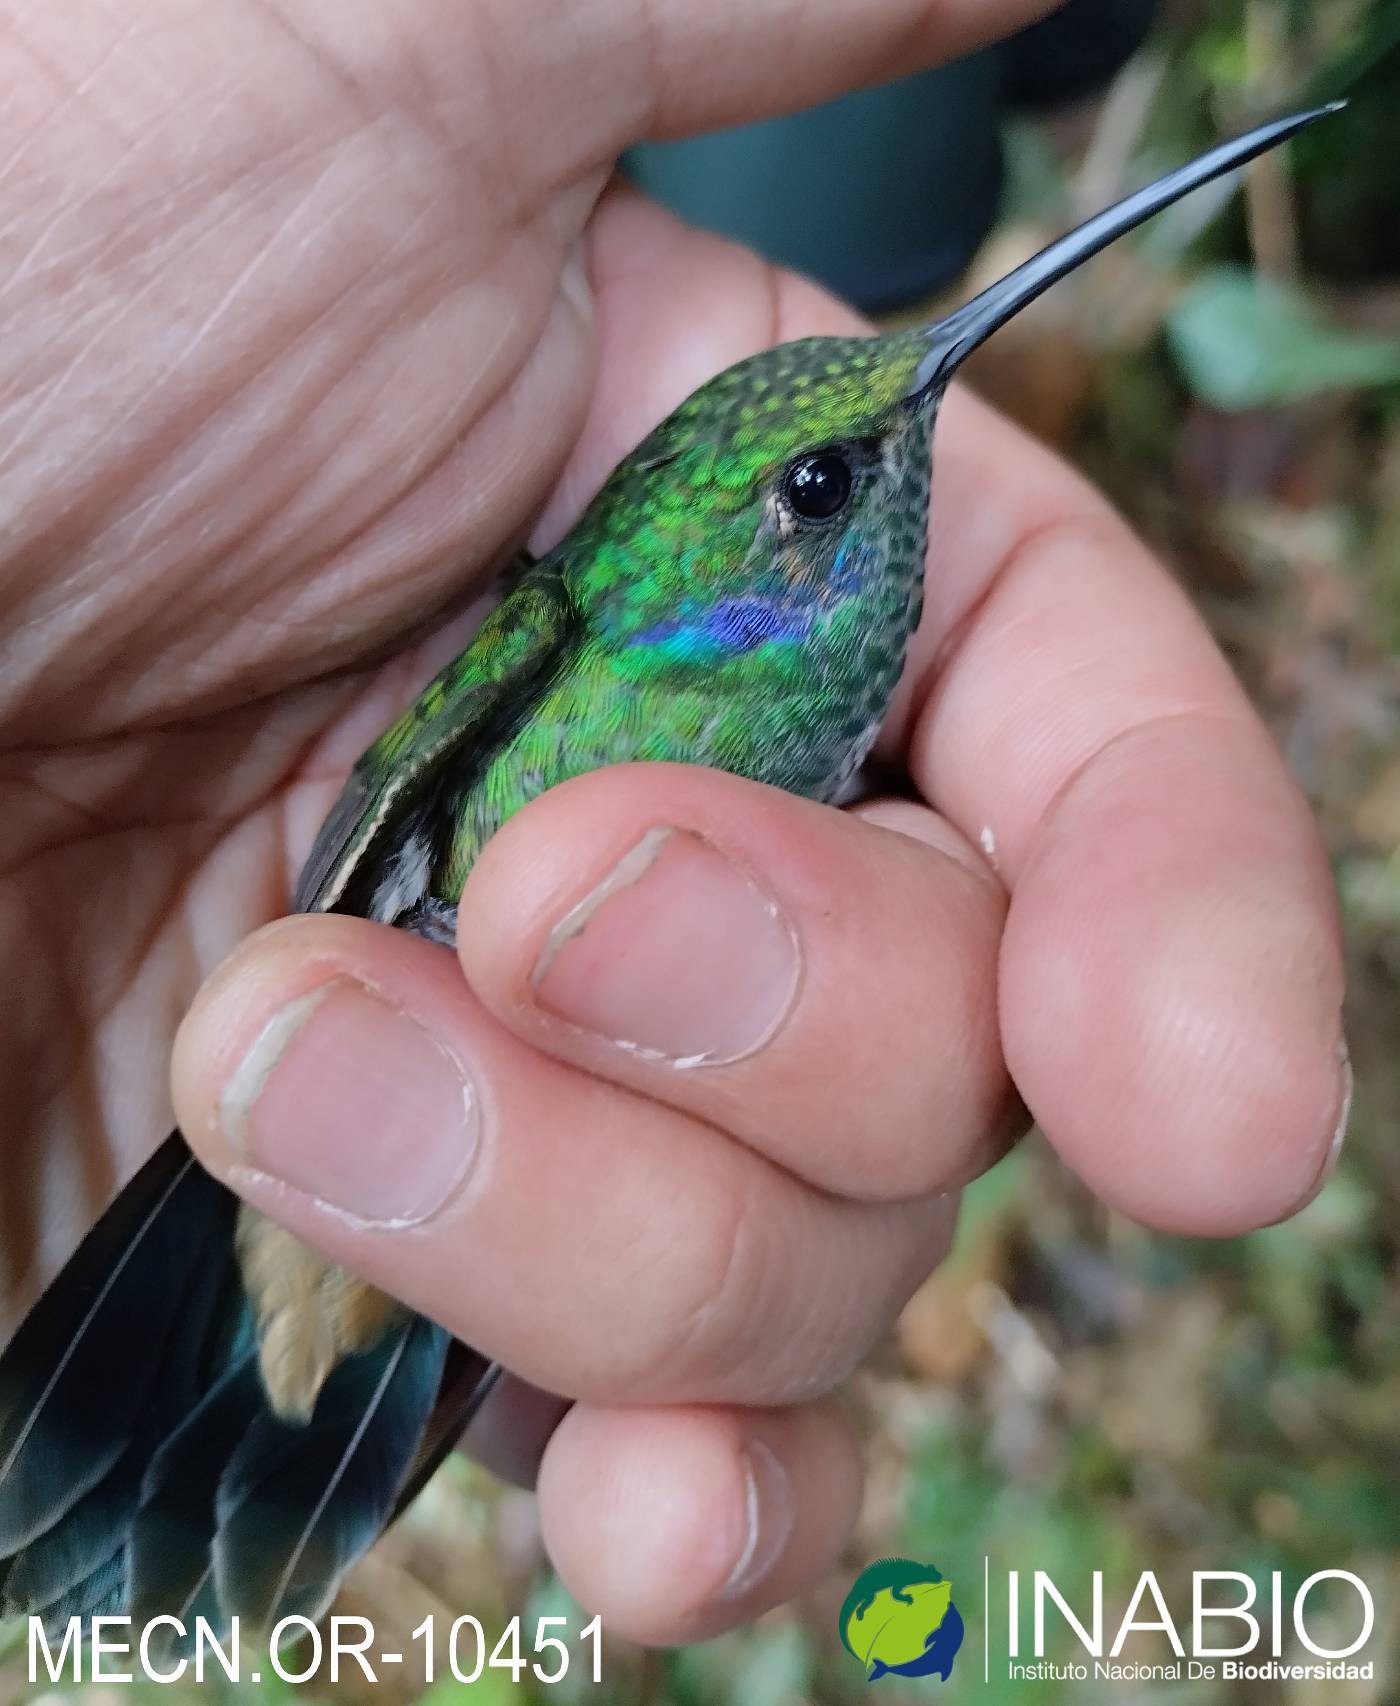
column 73, row 1397
column 212, row 1316
column 467, row 1382
column 519, row 643
column 174, row 1530
column 298, row 1505
column 90, row 1534
column 100, row 1591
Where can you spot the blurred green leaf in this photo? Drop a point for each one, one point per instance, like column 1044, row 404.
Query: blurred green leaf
column 778, row 1669
column 492, row 1688
column 1370, row 890
column 1243, row 341
column 998, row 1191
column 1033, row 176
column 1221, row 58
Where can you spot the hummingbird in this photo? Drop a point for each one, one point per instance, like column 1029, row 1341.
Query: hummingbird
column 203, row 1418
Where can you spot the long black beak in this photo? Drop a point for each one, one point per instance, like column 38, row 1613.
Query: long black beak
column 955, row 337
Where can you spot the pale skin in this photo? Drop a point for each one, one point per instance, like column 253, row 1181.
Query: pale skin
column 304, row 325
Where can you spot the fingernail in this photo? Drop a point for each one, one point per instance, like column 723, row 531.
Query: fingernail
column 347, row 1098
column 677, row 955
column 1339, row 1133
column 770, row 1510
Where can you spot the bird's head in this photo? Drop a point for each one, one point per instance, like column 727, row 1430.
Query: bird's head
column 796, row 480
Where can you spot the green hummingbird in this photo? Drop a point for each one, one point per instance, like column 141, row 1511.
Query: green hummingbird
column 203, row 1418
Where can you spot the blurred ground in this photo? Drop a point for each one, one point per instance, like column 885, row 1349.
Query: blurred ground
column 1071, row 1392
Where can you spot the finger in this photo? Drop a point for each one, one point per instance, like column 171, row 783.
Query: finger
column 1171, row 978
column 343, row 1078
column 669, row 67
column 721, row 65
column 818, row 986
column 677, row 1524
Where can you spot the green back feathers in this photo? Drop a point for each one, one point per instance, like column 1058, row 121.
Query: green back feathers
column 519, row 642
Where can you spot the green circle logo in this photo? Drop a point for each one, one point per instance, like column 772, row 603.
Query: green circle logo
column 899, row 1619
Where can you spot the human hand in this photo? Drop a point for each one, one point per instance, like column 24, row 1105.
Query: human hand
column 274, row 398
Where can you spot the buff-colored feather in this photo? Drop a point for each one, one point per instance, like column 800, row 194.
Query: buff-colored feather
column 310, row 1313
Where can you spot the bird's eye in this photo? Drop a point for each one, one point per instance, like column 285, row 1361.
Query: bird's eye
column 818, row 487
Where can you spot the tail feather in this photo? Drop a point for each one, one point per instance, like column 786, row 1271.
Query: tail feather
column 142, row 1467
column 174, row 1530
column 100, row 1589
column 298, row 1504
column 467, row 1382
column 99, row 1524
column 58, row 1560
column 73, row 1395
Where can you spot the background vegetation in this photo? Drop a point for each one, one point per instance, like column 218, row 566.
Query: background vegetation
column 1071, row 1392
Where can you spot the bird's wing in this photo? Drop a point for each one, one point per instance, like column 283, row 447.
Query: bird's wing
column 517, row 647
